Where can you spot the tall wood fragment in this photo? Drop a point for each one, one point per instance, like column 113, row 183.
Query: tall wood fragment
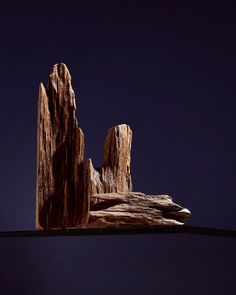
column 60, row 153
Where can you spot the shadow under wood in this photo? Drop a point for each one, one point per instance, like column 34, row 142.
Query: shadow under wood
column 64, row 206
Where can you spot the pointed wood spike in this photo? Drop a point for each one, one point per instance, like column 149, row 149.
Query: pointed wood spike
column 60, row 155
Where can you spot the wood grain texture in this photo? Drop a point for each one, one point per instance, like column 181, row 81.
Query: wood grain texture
column 134, row 209
column 60, row 154
column 114, row 175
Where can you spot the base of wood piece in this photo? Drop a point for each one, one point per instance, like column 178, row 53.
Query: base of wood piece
column 134, row 209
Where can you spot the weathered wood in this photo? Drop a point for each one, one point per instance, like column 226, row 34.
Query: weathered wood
column 134, row 209
column 114, row 175
column 106, row 199
column 60, row 153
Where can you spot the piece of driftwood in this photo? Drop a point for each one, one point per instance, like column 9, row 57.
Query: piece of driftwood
column 65, row 200
column 60, row 155
column 114, row 175
column 134, row 209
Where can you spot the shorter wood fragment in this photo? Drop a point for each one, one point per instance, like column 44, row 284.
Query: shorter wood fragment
column 114, row 175
column 134, row 209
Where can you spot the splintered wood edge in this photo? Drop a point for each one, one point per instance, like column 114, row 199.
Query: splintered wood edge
column 129, row 209
column 179, row 229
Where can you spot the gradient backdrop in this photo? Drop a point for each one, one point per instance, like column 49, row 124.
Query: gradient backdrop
column 166, row 68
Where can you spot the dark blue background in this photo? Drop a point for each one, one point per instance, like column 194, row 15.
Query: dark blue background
column 168, row 69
